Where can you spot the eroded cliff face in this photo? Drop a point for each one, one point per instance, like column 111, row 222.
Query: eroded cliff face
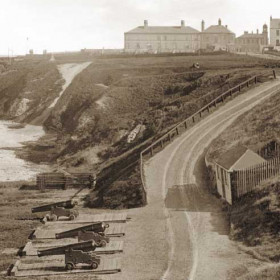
column 27, row 89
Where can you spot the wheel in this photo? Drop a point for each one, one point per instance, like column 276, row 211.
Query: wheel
column 72, row 217
column 53, row 218
column 103, row 243
column 69, row 266
column 48, row 217
column 107, row 225
column 94, row 265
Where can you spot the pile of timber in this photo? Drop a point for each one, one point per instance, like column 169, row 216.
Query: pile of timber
column 62, row 180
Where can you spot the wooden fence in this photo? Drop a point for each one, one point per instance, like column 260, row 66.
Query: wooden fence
column 160, row 143
column 246, row 180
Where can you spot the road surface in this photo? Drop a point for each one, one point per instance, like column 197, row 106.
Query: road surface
column 196, row 227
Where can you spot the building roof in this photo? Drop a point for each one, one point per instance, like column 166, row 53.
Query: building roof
column 275, row 23
column 239, row 157
column 220, row 29
column 164, row 29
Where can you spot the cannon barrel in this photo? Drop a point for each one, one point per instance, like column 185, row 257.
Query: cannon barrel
column 83, row 246
column 95, row 227
column 66, row 204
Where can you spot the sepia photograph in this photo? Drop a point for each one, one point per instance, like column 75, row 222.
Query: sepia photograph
column 139, row 140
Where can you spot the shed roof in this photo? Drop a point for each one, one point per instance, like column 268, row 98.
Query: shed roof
column 239, row 157
column 221, row 29
column 164, row 30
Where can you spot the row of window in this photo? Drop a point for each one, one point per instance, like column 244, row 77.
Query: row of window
column 163, row 38
column 159, row 46
column 251, row 41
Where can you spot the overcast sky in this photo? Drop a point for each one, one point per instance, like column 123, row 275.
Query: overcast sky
column 59, row 25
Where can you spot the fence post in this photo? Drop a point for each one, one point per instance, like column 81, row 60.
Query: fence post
column 151, row 151
column 274, row 74
column 161, row 143
column 230, row 92
column 186, row 126
column 239, row 88
column 177, row 130
column 169, row 137
column 247, row 84
column 256, row 79
column 200, row 114
column 193, row 118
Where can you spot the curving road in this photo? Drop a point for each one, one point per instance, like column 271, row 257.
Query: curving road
column 196, row 227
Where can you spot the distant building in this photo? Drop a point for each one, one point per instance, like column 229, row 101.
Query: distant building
column 252, row 42
column 216, row 37
column 275, row 32
column 157, row 39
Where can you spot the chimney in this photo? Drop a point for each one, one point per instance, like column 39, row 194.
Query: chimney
column 226, row 26
column 202, row 26
column 182, row 23
column 145, row 23
column 220, row 22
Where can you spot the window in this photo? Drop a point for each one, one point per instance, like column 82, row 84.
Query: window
column 158, row 38
column 165, row 37
column 277, row 32
column 277, row 42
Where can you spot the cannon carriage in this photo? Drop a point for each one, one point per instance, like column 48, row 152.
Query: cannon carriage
column 58, row 209
column 94, row 232
column 78, row 253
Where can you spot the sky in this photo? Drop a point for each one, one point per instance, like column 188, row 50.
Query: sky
column 69, row 25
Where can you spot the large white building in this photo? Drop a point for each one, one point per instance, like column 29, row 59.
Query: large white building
column 157, row 39
column 162, row 39
column 275, row 32
column 217, row 37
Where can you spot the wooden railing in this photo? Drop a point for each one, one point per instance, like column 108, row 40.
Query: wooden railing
column 160, row 143
column 246, row 180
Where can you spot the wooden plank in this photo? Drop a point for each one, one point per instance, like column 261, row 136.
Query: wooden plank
column 114, row 246
column 107, row 266
column 49, row 231
column 88, row 218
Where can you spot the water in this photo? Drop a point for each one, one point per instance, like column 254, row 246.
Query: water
column 11, row 167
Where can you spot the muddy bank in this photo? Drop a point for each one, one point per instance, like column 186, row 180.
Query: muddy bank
column 12, row 139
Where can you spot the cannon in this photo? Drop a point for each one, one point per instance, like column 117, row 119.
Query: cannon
column 58, row 209
column 100, row 238
column 78, row 253
column 94, row 232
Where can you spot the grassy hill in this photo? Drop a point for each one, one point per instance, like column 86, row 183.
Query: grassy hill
column 89, row 126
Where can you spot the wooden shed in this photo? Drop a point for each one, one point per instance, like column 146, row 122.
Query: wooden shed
column 237, row 158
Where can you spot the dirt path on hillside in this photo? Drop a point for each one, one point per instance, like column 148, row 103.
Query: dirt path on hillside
column 197, row 229
column 69, row 71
